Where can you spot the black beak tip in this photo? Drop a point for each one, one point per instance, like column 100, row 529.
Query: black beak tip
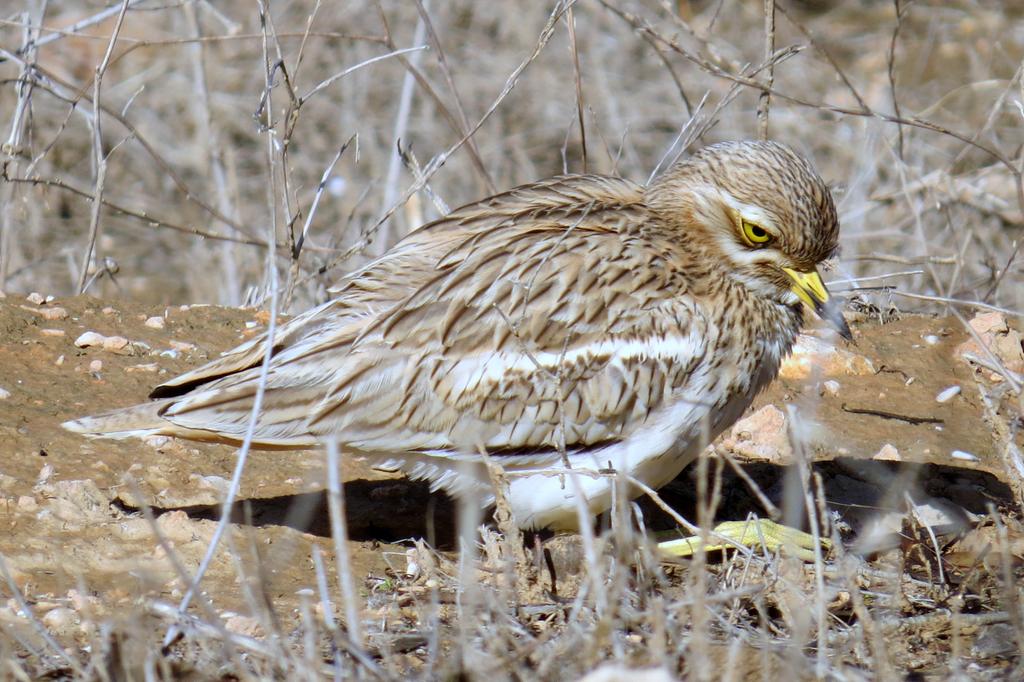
column 833, row 314
column 843, row 328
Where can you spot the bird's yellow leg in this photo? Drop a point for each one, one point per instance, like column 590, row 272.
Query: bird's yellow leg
column 752, row 533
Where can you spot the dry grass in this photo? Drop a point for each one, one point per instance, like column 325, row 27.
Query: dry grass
column 146, row 156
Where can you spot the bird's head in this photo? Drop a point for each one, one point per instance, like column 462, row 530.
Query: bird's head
column 765, row 210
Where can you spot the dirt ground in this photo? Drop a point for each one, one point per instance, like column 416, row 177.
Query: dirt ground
column 907, row 408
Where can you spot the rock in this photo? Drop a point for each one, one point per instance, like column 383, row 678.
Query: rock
column 144, row 367
column 61, row 621
column 180, row 529
column 96, row 366
column 216, row 483
column 830, row 387
column 88, row 339
column 156, row 441
column 54, row 313
column 35, row 298
column 888, row 453
column 964, row 456
column 80, row 601
column 114, row 343
column 947, row 394
column 77, row 501
column 812, row 356
column 4, row 394
column 989, row 323
column 1003, row 342
column 52, row 332
column 155, row 322
column 109, row 343
column 243, row 625
column 762, row 436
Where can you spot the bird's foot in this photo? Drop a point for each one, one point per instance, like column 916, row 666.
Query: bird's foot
column 752, row 533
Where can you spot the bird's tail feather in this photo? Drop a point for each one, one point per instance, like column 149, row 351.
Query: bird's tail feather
column 131, row 422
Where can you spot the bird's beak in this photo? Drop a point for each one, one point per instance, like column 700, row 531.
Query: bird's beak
column 811, row 290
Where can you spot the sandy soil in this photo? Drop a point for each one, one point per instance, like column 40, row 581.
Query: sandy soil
column 74, row 540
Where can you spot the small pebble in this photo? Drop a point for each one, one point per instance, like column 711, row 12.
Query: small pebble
column 89, row 339
column 182, row 346
column 888, row 453
column 4, row 394
column 218, row 483
column 931, row 339
column 27, row 503
column 114, row 343
column 830, row 387
column 108, row 311
column 51, row 332
column 81, row 601
column 244, row 625
column 96, row 366
column 251, row 324
column 36, row 298
column 155, row 322
column 54, row 313
column 59, row 361
column 147, row 367
column 61, row 620
column 965, row 456
column 947, row 394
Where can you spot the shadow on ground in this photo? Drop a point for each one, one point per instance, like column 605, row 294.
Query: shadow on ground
column 392, row 511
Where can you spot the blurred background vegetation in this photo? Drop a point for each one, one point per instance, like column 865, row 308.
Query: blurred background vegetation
column 198, row 162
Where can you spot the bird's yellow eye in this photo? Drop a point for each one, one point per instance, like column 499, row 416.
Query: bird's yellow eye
column 755, row 234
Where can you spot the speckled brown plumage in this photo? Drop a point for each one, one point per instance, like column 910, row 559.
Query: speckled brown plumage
column 631, row 324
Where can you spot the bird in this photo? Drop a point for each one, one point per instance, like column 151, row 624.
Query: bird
column 563, row 329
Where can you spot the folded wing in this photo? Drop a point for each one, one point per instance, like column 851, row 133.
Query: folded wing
column 510, row 324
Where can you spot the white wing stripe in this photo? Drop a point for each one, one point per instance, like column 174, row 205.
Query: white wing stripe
column 470, row 372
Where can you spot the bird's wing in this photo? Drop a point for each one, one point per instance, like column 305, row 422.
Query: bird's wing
column 554, row 321
column 526, row 330
column 389, row 280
